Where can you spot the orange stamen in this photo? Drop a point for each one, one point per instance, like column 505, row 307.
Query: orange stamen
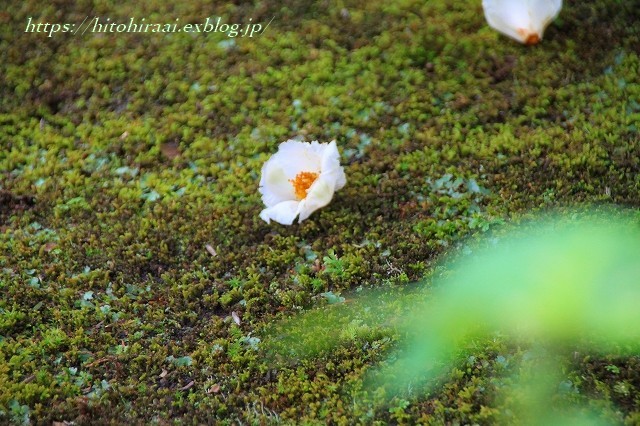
column 532, row 39
column 529, row 38
column 302, row 183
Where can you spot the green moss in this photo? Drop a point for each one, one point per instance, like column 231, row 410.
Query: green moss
column 124, row 156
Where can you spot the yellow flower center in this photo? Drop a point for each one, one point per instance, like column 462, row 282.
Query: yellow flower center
column 302, row 183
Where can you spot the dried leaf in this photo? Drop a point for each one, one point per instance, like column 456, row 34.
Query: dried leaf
column 211, row 250
column 170, row 150
column 28, row 379
column 188, row 385
column 236, row 317
column 214, row 389
column 50, row 246
column 164, row 373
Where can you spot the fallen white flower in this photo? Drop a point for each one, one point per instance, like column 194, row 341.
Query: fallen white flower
column 299, row 179
column 522, row 20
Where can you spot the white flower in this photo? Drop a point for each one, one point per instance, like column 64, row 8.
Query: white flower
column 522, row 20
column 299, row 179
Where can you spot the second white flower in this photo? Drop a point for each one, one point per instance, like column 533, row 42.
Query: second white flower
column 522, row 20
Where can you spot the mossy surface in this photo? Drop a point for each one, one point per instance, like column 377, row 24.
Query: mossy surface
column 129, row 228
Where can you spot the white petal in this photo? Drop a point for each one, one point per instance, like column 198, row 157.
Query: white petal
column 274, row 183
column 340, row 179
column 295, row 157
column 522, row 20
column 284, row 212
column 331, row 165
column 318, row 196
column 544, row 12
column 318, row 148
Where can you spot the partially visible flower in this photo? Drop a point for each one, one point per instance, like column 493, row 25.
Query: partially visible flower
column 522, row 20
column 299, row 179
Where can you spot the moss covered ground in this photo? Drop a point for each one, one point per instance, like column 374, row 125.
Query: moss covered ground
column 130, row 241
